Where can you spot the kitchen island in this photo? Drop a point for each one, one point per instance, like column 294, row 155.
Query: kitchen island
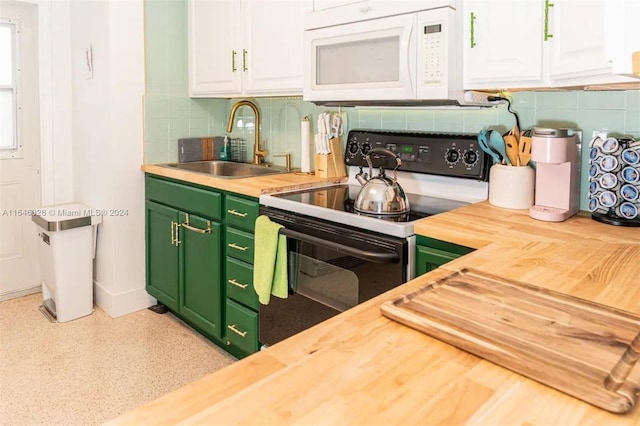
column 362, row 368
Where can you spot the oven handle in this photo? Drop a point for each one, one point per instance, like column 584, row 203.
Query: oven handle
column 362, row 254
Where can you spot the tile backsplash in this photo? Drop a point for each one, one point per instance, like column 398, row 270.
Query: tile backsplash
column 170, row 114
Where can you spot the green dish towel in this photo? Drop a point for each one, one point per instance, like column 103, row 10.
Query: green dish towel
column 269, row 261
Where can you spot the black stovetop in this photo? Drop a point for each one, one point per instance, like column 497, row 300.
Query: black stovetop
column 342, row 198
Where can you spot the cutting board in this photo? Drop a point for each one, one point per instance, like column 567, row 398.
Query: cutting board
column 582, row 348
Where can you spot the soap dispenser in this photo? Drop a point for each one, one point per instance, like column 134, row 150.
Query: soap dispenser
column 224, row 151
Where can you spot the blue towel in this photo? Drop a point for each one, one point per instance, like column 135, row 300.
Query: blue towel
column 269, row 261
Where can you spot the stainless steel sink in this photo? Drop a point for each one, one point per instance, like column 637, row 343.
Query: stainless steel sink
column 227, row 169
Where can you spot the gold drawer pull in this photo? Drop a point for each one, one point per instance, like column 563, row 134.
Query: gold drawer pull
column 237, row 213
column 187, row 225
column 237, row 284
column 237, row 247
column 233, row 328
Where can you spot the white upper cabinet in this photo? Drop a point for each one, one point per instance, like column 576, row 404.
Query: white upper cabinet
column 214, row 40
column 248, row 47
column 502, row 43
column 538, row 43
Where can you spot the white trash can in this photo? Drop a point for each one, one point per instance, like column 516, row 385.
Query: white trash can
column 67, row 235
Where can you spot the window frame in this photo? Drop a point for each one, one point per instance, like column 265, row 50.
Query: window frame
column 16, row 150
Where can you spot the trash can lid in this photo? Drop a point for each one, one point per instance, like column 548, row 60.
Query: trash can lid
column 66, row 216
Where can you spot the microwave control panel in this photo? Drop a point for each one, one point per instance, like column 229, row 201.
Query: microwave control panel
column 433, row 47
column 447, row 154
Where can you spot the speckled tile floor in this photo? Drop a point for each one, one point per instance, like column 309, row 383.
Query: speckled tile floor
column 92, row 369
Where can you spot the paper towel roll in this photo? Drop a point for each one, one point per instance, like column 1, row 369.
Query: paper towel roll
column 305, row 140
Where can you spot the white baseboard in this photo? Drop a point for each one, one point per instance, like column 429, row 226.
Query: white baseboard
column 118, row 304
column 19, row 293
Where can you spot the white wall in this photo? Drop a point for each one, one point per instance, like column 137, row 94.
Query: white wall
column 107, row 123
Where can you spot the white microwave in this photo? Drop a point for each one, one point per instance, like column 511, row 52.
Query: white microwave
column 407, row 59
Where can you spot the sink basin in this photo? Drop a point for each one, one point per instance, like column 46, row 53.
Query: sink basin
column 227, row 169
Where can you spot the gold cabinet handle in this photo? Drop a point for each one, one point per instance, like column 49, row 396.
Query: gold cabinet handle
column 237, row 247
column 187, row 225
column 237, row 213
column 233, row 61
column 237, row 284
column 175, row 233
column 233, row 328
column 244, row 60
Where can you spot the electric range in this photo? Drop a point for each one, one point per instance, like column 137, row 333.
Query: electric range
column 439, row 172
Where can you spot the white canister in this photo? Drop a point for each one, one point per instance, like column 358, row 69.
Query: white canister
column 511, row 187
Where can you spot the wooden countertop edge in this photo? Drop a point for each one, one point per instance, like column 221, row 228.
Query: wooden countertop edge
column 250, row 186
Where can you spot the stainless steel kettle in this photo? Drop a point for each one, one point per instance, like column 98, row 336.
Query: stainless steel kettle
column 381, row 195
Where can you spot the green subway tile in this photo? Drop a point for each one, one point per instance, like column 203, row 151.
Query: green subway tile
column 601, row 100
column 179, row 107
column 448, row 117
column 394, row 120
column 198, row 108
column 550, row 117
column 556, row 100
column 523, row 99
column 632, row 121
column 370, row 118
column 201, row 123
column 447, row 127
column 632, row 100
column 156, row 106
column 601, row 119
column 157, row 129
column 487, row 117
column 419, row 120
column 178, row 128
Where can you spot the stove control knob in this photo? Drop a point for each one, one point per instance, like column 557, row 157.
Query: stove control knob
column 470, row 158
column 353, row 148
column 452, row 156
column 365, row 148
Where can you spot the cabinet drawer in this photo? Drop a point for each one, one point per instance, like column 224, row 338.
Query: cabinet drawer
column 240, row 245
column 239, row 283
column 242, row 327
column 241, row 213
column 190, row 199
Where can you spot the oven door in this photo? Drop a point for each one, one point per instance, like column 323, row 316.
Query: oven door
column 331, row 268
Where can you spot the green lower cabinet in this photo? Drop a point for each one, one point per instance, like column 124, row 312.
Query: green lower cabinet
column 240, row 245
column 162, row 254
column 242, row 327
column 432, row 253
column 201, row 290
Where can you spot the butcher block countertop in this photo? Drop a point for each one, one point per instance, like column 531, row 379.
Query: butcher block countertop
column 362, row 368
column 252, row 186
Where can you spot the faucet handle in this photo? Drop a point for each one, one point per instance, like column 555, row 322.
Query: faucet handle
column 287, row 156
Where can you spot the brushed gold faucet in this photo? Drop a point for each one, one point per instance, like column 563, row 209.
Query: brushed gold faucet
column 258, row 154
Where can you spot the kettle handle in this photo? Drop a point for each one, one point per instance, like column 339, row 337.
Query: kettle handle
column 386, row 152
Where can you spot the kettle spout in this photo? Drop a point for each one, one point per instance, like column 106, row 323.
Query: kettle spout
column 362, row 177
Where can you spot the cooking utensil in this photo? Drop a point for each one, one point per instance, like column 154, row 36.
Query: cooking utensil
column 381, row 195
column 511, row 144
column 483, row 141
column 524, row 154
column 497, row 144
column 327, row 132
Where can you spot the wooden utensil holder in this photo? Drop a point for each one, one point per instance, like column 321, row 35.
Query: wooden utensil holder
column 331, row 165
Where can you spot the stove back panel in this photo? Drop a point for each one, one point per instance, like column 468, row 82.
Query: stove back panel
column 444, row 154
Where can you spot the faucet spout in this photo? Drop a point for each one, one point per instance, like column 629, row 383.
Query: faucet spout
column 258, row 153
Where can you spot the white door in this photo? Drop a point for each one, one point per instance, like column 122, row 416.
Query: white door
column 502, row 42
column 273, row 47
column 215, row 51
column 19, row 148
column 578, row 50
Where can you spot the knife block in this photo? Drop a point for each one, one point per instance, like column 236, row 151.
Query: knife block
column 331, row 165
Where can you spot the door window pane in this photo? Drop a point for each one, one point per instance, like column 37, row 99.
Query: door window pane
column 7, row 119
column 6, row 54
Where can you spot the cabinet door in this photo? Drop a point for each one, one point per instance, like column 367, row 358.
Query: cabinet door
column 242, row 213
column 428, row 259
column 577, row 42
column 201, row 257
column 215, row 52
column 162, row 253
column 242, row 327
column 272, row 51
column 503, row 43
